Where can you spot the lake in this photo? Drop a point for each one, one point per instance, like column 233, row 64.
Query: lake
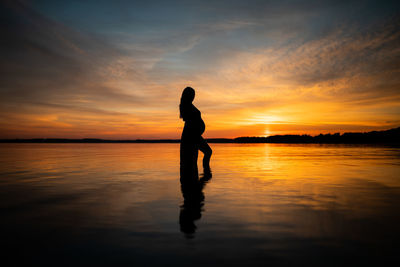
column 266, row 204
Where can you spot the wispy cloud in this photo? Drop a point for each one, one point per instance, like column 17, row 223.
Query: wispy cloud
column 258, row 66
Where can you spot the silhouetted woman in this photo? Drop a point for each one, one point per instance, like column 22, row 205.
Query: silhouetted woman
column 191, row 140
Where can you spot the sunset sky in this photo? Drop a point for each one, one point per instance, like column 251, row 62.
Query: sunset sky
column 116, row 69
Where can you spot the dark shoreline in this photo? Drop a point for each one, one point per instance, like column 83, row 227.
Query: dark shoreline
column 391, row 136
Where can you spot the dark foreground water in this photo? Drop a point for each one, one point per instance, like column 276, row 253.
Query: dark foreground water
column 121, row 204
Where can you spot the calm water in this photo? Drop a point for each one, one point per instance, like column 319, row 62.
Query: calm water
column 108, row 204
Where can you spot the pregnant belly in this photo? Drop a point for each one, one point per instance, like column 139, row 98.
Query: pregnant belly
column 194, row 129
column 202, row 127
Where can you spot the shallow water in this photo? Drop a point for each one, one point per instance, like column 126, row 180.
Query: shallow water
column 276, row 204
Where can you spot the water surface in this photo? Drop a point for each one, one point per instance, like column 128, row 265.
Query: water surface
column 266, row 204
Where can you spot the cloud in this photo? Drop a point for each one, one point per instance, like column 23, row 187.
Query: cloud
column 343, row 64
column 252, row 63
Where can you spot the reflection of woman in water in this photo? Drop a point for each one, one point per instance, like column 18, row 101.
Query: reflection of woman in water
column 193, row 202
column 191, row 140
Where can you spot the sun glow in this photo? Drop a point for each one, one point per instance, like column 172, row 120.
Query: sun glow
column 267, row 132
column 252, row 77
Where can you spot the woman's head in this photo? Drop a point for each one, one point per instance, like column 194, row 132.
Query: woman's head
column 187, row 95
column 186, row 100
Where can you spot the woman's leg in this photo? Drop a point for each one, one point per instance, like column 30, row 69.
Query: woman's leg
column 207, row 151
column 188, row 159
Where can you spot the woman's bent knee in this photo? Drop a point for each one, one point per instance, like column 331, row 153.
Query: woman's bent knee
column 208, row 152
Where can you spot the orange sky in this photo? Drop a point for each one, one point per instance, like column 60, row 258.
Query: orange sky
column 298, row 70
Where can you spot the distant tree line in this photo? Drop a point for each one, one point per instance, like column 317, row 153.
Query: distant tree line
column 391, row 136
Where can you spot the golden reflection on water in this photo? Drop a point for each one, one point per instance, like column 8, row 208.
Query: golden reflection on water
column 317, row 174
column 276, row 178
column 321, row 194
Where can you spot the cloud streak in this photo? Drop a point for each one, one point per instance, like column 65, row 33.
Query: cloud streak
column 260, row 67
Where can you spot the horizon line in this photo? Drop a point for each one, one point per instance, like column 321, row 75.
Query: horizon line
column 278, row 137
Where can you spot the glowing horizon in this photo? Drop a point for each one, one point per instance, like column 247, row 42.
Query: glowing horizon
column 95, row 70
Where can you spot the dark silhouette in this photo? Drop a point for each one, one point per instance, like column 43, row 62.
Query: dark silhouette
column 391, row 136
column 191, row 139
column 191, row 143
column 193, row 201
